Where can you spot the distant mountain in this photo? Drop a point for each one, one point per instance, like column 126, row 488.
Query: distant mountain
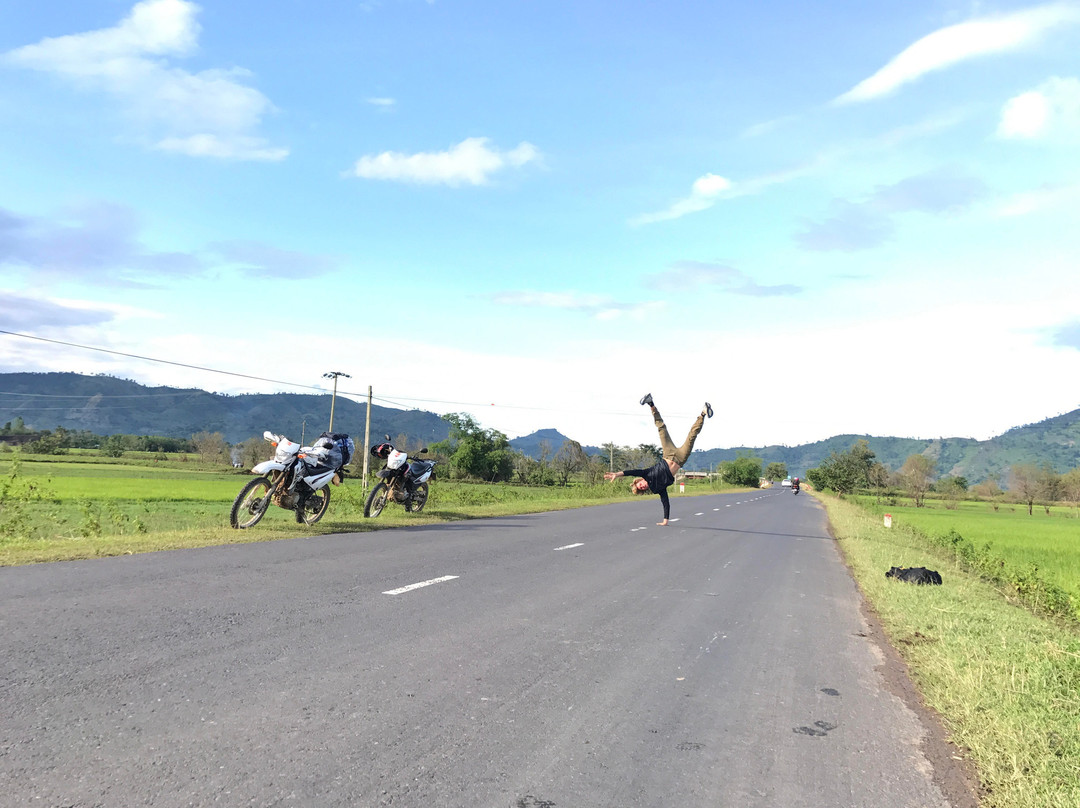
column 1055, row 441
column 106, row 405
column 530, row 444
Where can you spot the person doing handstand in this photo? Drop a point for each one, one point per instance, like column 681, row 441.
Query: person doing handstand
column 659, row 477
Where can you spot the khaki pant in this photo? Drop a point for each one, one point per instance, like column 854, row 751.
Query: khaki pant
column 671, row 452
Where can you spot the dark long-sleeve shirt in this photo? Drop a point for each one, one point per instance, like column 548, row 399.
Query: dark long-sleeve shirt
column 659, row 477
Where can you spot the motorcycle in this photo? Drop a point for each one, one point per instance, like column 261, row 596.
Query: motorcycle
column 795, row 487
column 297, row 479
column 401, row 481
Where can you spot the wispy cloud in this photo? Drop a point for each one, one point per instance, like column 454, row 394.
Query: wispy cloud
column 1039, row 200
column 212, row 113
column 704, row 193
column 691, row 275
column 102, row 243
column 94, row 242
column 1049, row 113
column 264, row 260
column 25, row 313
column 1068, row 335
column 382, row 103
column 870, row 222
column 601, row 307
column 471, row 162
column 983, row 36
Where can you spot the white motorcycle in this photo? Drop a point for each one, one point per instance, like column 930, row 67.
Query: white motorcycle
column 297, row 479
column 402, row 481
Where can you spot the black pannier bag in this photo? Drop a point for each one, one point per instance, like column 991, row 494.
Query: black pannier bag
column 915, row 575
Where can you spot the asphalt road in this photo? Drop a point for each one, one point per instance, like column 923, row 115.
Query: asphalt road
column 565, row 660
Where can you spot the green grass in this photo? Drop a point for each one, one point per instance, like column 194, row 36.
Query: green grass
column 1048, row 543
column 1005, row 681
column 63, row 509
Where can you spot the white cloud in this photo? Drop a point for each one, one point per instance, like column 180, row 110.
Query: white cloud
column 601, row 307
column 209, row 113
column 704, row 193
column 1039, row 201
column 230, row 148
column 1049, row 112
column 471, row 162
column 958, row 43
column 691, row 275
column 382, row 102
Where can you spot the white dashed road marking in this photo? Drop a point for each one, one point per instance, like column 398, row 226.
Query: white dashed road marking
column 570, row 546
column 411, row 587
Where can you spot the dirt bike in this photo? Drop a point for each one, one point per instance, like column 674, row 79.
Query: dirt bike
column 401, row 481
column 297, row 479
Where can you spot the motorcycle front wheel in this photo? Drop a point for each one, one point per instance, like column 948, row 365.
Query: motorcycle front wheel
column 251, row 503
column 314, row 506
column 419, row 498
column 376, row 500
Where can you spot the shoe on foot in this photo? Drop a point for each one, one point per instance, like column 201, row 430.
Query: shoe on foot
column 708, row 409
column 647, row 399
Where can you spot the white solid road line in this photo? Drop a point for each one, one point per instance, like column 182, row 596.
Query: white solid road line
column 570, row 546
column 411, row 587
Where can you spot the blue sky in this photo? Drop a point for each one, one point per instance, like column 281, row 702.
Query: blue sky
column 844, row 217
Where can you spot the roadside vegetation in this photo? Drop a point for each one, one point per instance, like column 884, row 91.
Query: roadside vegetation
column 64, row 507
column 995, row 650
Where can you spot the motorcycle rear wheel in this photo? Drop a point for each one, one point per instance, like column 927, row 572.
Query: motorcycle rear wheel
column 376, row 501
column 314, row 506
column 419, row 498
column 251, row 503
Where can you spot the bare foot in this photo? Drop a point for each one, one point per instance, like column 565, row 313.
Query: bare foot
column 662, row 524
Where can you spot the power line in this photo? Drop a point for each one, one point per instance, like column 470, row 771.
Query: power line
column 161, row 361
column 179, row 394
column 297, row 384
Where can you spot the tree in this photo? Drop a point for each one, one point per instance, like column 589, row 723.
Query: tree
column 878, row 477
column 642, row 456
column 50, row 443
column 1070, row 487
column 776, row 471
column 524, row 467
column 952, row 489
column 569, row 460
column 594, row 469
column 475, row 451
column 1024, row 483
column 113, row 446
column 916, row 476
column 987, row 489
column 845, row 472
column 210, row 446
column 743, row 470
column 253, row 451
column 614, row 456
column 1049, row 482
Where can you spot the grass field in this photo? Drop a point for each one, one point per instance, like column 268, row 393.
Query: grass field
column 1049, row 543
column 68, row 508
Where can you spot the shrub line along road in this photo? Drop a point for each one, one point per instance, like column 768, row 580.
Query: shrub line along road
column 570, row 659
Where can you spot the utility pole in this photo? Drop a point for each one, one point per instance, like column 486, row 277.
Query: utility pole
column 333, row 399
column 367, row 437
